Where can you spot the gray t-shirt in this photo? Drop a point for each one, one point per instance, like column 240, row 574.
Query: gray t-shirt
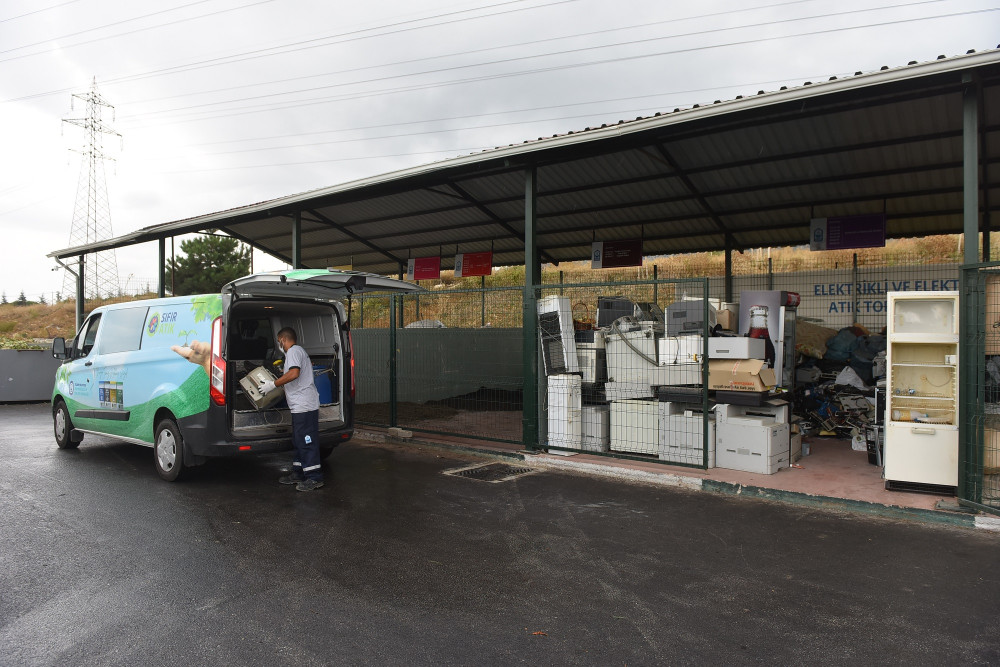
column 301, row 392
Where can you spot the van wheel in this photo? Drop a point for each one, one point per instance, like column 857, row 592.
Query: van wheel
column 168, row 451
column 62, row 425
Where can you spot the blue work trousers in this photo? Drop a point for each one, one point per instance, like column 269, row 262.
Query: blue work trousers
column 305, row 438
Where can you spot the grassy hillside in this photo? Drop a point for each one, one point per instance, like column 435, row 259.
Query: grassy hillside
column 28, row 325
column 19, row 325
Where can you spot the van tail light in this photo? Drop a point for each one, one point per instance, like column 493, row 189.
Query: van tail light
column 350, row 345
column 218, row 378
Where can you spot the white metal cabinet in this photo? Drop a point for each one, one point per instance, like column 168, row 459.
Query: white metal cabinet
column 596, row 428
column 682, row 434
column 565, row 397
column 635, row 426
column 921, row 436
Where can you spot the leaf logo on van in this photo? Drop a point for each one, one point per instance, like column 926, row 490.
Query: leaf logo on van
column 154, row 321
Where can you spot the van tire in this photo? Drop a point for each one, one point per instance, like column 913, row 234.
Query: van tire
column 168, row 450
column 62, row 426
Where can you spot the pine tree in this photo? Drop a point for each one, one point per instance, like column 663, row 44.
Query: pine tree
column 22, row 300
column 58, row 297
column 3, row 299
column 208, row 263
column 41, row 300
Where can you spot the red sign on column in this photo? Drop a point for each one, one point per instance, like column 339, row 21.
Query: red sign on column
column 473, row 264
column 423, row 268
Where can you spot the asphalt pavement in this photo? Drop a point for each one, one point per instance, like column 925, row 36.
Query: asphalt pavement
column 393, row 562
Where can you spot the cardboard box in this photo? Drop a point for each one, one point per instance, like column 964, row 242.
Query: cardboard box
column 740, row 375
column 991, row 451
column 726, row 319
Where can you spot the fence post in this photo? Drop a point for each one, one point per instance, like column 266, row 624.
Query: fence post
column 161, row 268
column 770, row 273
column 656, row 291
column 529, row 341
column 854, row 292
column 972, row 357
column 393, row 414
column 482, row 299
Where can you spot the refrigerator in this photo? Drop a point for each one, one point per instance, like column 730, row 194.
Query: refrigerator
column 921, row 420
column 781, row 308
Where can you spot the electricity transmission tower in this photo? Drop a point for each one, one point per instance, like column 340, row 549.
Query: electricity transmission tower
column 92, row 213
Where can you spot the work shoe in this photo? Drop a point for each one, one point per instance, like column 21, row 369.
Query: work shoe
column 290, row 479
column 309, row 485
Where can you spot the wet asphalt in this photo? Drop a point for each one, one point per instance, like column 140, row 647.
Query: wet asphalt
column 101, row 563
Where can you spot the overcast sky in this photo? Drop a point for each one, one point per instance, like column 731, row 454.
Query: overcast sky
column 222, row 103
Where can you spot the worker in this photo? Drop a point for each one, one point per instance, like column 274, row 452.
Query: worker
column 303, row 403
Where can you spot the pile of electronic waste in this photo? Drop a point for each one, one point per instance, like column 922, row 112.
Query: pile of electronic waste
column 637, row 381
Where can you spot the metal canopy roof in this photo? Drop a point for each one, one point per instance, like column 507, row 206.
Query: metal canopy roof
column 755, row 170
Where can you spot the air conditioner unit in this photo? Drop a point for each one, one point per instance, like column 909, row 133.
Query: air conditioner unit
column 555, row 332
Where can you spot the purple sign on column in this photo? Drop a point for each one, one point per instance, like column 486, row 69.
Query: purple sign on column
column 846, row 232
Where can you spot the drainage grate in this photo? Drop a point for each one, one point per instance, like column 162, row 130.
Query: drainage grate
column 490, row 472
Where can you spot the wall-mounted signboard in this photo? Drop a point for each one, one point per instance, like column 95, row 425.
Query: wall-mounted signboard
column 847, row 232
column 473, row 264
column 615, row 254
column 423, row 268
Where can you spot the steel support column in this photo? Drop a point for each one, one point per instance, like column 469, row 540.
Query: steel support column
column 297, row 240
column 161, row 264
column 729, row 270
column 393, row 378
column 970, row 168
column 529, row 342
column 79, row 291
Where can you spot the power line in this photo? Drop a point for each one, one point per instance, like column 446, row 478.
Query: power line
column 298, row 104
column 38, row 11
column 109, row 25
column 223, row 60
column 130, row 32
column 453, row 118
column 483, row 50
column 558, row 53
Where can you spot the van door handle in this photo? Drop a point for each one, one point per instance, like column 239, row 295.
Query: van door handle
column 89, row 363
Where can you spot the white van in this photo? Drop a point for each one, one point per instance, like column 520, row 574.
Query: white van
column 165, row 373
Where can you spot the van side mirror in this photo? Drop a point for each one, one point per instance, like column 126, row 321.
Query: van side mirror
column 59, row 348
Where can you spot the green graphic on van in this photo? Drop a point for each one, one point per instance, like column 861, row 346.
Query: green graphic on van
column 206, row 308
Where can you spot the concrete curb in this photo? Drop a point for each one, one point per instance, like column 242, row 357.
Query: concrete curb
column 842, row 504
column 937, row 517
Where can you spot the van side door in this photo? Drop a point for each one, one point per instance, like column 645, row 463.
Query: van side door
column 116, row 360
column 82, row 395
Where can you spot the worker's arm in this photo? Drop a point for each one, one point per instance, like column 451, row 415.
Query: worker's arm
column 288, row 376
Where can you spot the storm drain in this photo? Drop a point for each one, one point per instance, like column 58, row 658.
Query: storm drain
column 490, row 472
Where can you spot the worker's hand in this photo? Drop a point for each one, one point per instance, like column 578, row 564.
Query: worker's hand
column 267, row 387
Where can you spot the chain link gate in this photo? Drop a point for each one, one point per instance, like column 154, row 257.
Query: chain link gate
column 622, row 380
column 979, row 388
column 442, row 362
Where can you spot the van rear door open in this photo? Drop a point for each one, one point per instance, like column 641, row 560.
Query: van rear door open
column 312, row 284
